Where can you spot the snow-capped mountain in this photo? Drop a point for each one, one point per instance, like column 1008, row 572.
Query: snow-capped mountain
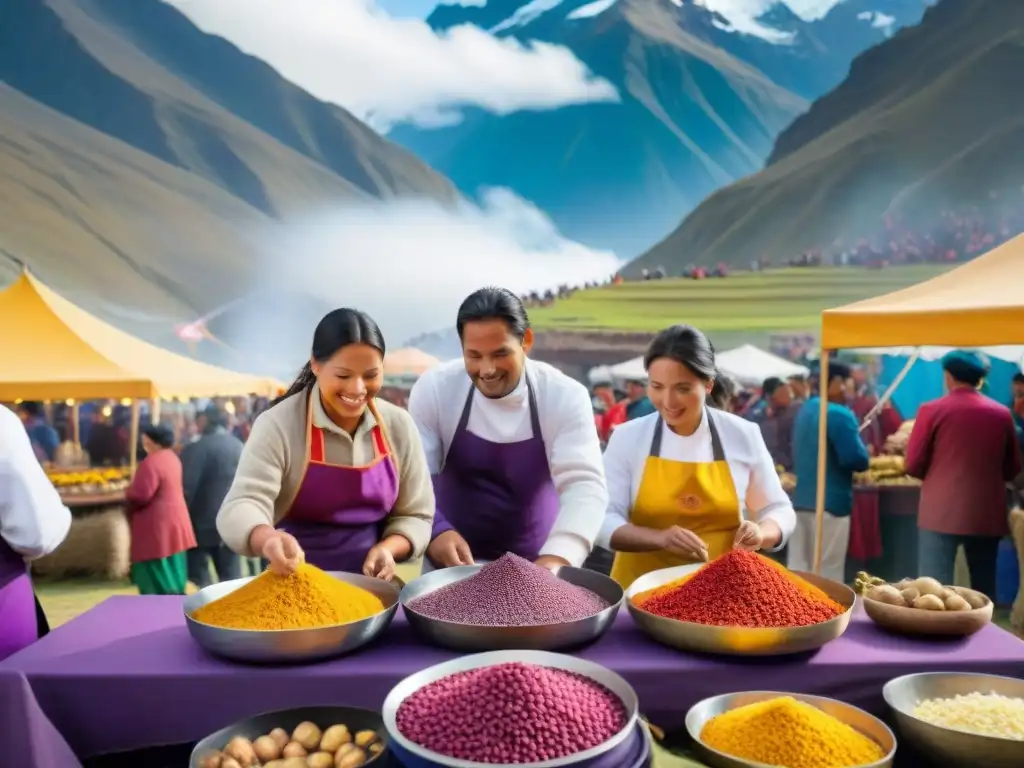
column 704, row 91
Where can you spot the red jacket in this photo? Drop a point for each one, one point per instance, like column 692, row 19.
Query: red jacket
column 157, row 513
column 964, row 447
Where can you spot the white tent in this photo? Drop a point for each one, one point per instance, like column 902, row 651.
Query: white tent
column 630, row 370
column 600, row 374
column 750, row 365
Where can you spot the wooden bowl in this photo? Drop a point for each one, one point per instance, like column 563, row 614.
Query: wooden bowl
column 917, row 621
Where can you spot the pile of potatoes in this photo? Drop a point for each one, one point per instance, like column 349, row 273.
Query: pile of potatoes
column 306, row 747
column 924, row 593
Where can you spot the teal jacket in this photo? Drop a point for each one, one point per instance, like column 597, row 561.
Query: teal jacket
column 846, row 455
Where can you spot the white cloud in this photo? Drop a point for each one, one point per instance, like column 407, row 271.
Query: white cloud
column 878, row 20
column 391, row 70
column 410, row 263
column 590, row 10
column 524, row 14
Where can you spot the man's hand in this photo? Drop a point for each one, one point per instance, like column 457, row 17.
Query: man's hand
column 449, row 549
column 749, row 536
column 379, row 563
column 683, row 543
column 551, row 562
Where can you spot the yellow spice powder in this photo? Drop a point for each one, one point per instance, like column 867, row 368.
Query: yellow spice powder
column 787, row 732
column 306, row 599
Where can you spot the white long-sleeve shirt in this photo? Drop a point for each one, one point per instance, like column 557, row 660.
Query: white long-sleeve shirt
column 33, row 519
column 566, row 417
column 753, row 472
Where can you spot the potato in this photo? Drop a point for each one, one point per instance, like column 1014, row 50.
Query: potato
column 294, row 749
column 241, row 750
column 365, row 738
column 353, row 757
column 212, row 761
column 334, row 737
column 276, row 764
column 926, row 585
column 974, row 599
column 280, row 735
column 909, row 595
column 294, row 762
column 376, row 748
column 266, row 749
column 929, row 603
column 308, row 735
column 886, row 594
column 320, row 760
column 230, row 762
column 956, row 603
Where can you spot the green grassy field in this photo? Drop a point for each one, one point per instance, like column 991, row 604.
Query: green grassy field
column 758, row 302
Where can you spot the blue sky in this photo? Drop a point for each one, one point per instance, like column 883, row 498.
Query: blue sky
column 407, row 8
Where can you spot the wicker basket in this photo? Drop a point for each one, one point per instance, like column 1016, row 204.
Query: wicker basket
column 98, row 544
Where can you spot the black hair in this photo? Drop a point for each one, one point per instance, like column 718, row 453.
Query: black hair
column 771, row 385
column 337, row 329
column 1018, row 378
column 838, row 371
column 722, row 392
column 965, row 371
column 31, row 407
column 215, row 418
column 159, row 434
column 493, row 303
column 687, row 346
column 797, row 377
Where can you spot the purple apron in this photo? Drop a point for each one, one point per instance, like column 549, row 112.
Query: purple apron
column 498, row 496
column 18, row 626
column 338, row 512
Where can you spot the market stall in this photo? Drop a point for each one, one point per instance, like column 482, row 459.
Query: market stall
column 979, row 304
column 750, row 366
column 71, row 355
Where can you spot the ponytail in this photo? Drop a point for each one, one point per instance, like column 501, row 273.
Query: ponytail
column 303, row 382
column 722, row 392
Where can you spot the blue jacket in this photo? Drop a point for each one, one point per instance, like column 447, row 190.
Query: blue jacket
column 846, row 455
column 638, row 408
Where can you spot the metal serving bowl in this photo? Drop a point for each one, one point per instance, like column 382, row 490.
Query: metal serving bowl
column 739, row 641
column 703, row 711
column 284, row 646
column 596, row 672
column 951, row 747
column 538, row 637
column 259, row 725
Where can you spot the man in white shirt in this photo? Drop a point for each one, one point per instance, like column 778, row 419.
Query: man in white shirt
column 33, row 523
column 511, row 446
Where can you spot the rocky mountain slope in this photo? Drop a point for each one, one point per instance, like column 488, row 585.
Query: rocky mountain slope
column 138, row 155
column 701, row 106
column 931, row 118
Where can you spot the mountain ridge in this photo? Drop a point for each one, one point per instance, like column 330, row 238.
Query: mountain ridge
column 834, row 174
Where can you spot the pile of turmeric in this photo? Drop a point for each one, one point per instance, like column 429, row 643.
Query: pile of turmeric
column 790, row 733
column 306, row 599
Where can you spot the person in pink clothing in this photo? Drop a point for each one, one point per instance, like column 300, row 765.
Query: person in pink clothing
column 161, row 529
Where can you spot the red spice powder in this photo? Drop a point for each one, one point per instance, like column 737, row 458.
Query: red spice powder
column 740, row 589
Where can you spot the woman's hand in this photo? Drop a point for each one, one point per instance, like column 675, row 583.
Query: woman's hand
column 379, row 563
column 449, row 549
column 683, row 543
column 283, row 552
column 749, row 537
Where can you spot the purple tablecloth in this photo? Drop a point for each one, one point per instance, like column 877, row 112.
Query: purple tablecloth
column 127, row 675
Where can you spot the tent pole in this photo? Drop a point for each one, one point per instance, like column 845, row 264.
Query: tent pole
column 76, row 424
column 819, row 498
column 133, row 440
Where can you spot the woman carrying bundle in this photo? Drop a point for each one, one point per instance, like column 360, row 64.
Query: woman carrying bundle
column 680, row 480
column 341, row 473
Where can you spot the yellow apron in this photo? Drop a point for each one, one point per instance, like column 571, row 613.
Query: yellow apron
column 698, row 496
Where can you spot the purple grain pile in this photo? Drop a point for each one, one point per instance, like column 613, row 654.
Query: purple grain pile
column 511, row 714
column 510, row 592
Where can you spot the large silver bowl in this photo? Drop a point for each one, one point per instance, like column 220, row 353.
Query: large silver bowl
column 540, row 637
column 857, row 719
column 289, row 646
column 252, row 728
column 596, row 672
column 739, row 641
column 953, row 748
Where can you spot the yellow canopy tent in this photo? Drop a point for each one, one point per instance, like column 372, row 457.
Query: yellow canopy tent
column 976, row 305
column 408, row 362
column 52, row 350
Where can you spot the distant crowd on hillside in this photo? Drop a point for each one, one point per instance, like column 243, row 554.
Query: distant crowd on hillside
column 953, row 236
